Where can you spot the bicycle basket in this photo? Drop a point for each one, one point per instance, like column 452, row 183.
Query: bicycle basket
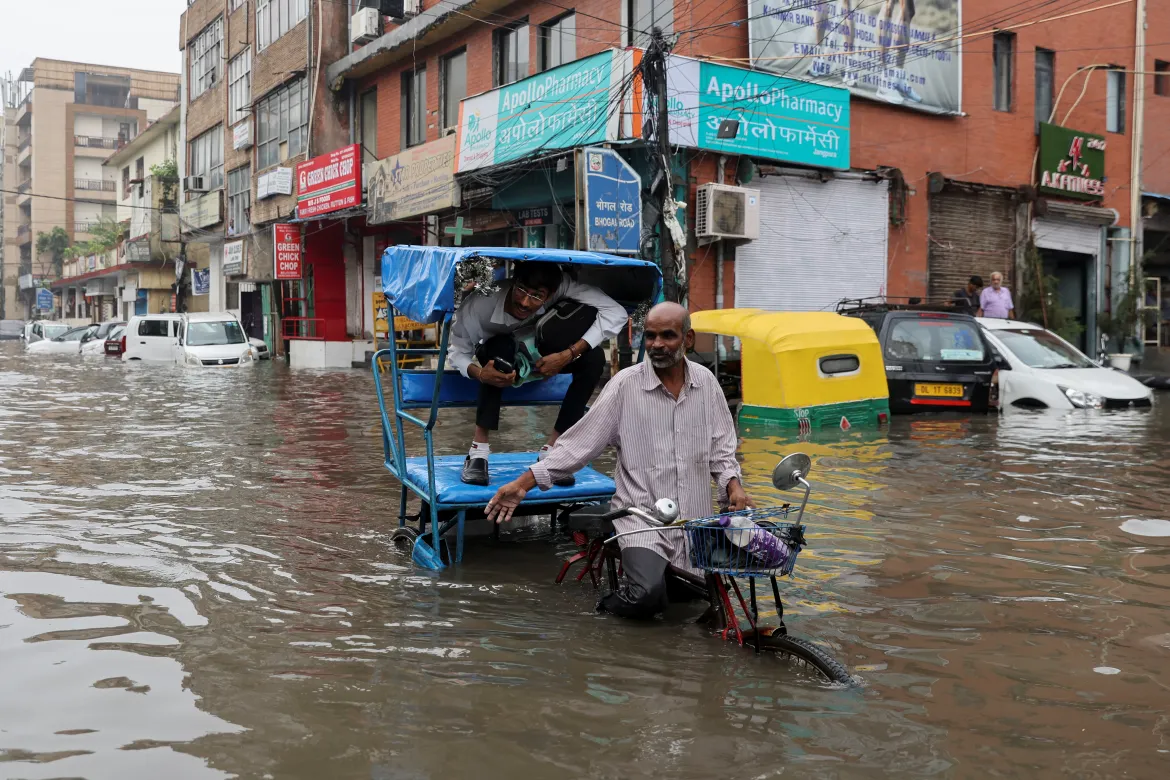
column 712, row 548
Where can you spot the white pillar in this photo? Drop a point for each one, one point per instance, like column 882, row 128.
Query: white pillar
column 218, row 292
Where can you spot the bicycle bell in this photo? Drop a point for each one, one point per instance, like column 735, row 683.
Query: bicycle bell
column 666, row 510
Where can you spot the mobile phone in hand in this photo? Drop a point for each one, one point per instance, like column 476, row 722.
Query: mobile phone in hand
column 503, row 366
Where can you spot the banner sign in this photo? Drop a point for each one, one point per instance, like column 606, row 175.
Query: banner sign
column 203, row 211
column 613, row 203
column 328, row 183
column 381, row 316
column 779, row 118
column 420, row 180
column 286, row 243
column 45, row 299
column 1072, row 163
column 533, row 217
column 277, row 181
column 568, row 106
column 233, row 258
column 903, row 53
column 200, row 281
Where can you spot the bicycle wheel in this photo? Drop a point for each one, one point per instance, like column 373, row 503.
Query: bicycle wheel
column 802, row 650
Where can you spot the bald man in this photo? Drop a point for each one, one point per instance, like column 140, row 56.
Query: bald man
column 674, row 436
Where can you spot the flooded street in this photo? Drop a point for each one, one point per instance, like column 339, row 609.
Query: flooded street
column 196, row 582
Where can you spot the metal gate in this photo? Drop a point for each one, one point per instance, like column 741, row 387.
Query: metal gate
column 819, row 242
column 970, row 232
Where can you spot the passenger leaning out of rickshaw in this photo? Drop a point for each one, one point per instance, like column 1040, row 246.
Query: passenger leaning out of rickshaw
column 538, row 324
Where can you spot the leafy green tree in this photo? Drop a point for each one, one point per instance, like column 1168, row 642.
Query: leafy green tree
column 56, row 244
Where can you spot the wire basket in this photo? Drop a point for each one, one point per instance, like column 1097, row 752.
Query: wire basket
column 713, row 550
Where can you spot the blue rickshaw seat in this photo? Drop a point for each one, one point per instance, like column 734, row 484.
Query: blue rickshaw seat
column 591, row 485
column 418, row 387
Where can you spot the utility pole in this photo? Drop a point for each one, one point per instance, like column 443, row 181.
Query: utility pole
column 654, row 79
column 1137, row 135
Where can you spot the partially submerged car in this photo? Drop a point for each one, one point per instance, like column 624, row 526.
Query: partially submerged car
column 1040, row 370
column 68, row 343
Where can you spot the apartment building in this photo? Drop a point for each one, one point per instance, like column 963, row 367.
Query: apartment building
column 254, row 107
column 69, row 118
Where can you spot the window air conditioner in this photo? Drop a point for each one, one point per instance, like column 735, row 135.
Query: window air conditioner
column 723, row 211
column 195, row 184
column 366, row 26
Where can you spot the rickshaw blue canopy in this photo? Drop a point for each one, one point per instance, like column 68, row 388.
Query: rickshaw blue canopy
column 419, row 281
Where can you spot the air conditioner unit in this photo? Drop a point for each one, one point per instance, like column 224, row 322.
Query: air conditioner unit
column 366, row 26
column 723, row 211
column 395, row 9
column 195, row 184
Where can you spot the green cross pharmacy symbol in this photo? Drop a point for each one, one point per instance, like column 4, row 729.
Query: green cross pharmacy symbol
column 458, row 231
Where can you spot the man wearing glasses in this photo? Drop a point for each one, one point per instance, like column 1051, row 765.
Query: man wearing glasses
column 483, row 340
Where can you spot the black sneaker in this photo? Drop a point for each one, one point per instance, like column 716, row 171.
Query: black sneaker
column 475, row 471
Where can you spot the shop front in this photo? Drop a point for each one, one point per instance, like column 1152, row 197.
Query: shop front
column 972, row 230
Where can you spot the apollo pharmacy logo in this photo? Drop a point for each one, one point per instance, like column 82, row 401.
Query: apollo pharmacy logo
column 475, row 136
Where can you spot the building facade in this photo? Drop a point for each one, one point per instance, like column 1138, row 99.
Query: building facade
column 255, row 107
column 941, row 174
column 69, row 118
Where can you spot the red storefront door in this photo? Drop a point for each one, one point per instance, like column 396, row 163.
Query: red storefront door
column 324, row 255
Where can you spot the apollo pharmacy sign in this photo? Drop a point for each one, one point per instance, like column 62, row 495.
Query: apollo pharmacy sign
column 568, row 106
column 1072, row 163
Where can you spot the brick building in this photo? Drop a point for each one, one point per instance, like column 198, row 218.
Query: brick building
column 254, row 107
column 944, row 175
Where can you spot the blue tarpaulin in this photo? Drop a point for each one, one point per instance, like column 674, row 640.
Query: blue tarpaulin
column 419, row 281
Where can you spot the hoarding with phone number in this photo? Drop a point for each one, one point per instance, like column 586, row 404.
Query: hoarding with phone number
column 286, row 244
column 330, row 182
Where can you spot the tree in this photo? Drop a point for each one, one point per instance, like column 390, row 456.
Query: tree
column 55, row 243
column 107, row 234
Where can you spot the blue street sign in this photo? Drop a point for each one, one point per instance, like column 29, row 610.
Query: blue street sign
column 613, row 203
column 45, row 299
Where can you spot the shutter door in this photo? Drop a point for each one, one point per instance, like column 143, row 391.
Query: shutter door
column 1067, row 236
column 971, row 233
column 819, row 243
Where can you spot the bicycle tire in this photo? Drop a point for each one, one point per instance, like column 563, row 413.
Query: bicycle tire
column 803, row 650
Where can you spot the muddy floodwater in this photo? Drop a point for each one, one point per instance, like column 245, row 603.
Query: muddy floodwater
column 196, row 582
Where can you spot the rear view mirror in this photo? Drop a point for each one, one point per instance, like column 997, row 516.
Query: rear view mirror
column 791, row 470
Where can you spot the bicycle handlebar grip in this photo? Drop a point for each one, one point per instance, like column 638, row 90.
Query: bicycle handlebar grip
column 617, row 514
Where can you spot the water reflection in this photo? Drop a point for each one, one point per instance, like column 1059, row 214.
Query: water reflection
column 195, row 581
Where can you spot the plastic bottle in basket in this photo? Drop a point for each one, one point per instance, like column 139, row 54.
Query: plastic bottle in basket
column 766, row 548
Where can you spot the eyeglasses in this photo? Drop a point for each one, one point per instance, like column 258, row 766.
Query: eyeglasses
column 535, row 297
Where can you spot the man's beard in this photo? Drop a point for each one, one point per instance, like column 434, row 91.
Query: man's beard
column 667, row 359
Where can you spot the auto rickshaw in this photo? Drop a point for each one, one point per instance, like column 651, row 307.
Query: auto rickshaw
column 802, row 369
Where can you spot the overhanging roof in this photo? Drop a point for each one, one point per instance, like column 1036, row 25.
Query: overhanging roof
column 431, row 26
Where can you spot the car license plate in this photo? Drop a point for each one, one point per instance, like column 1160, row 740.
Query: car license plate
column 946, row 391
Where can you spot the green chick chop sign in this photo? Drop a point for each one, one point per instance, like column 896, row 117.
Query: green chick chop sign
column 1072, row 163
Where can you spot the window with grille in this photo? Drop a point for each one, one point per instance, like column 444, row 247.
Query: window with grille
column 205, row 158
column 240, row 87
column 645, row 15
column 558, row 41
column 1115, row 101
column 276, row 17
column 368, row 125
column 239, row 187
column 1045, row 85
column 282, row 124
column 1003, row 46
column 205, row 58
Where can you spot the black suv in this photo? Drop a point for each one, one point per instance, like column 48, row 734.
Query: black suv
column 936, row 357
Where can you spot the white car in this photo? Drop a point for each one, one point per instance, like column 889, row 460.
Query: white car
column 202, row 339
column 261, row 348
column 1042, row 370
column 42, row 329
column 68, row 343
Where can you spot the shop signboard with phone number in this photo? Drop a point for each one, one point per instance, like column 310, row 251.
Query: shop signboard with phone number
column 286, row 245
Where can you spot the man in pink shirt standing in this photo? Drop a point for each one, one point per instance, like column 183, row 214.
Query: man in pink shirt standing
column 996, row 300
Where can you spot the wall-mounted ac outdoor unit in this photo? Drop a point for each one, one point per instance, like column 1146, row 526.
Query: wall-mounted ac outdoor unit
column 366, row 26
column 395, row 9
column 195, row 184
column 723, row 211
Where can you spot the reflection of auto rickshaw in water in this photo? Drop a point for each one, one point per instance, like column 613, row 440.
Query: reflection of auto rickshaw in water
column 800, row 370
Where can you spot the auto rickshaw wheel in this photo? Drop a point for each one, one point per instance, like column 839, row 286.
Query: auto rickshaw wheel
column 403, row 539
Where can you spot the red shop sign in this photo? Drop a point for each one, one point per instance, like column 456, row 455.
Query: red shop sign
column 330, row 182
column 286, row 242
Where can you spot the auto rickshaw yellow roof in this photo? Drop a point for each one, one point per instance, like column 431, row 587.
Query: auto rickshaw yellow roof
column 780, row 331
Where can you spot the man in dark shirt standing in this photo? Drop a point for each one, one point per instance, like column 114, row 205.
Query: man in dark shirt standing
column 967, row 298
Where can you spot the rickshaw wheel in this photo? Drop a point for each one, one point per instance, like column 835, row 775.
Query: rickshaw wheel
column 403, row 539
column 803, row 651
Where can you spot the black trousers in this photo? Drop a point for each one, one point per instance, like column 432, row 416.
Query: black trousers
column 643, row 594
column 586, row 371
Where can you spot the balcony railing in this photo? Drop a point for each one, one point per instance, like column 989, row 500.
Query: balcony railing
column 83, row 227
column 95, row 185
column 96, row 142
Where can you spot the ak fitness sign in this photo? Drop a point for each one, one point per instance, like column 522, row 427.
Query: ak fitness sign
column 1072, row 163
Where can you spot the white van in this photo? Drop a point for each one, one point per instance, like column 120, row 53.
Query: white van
column 203, row 339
